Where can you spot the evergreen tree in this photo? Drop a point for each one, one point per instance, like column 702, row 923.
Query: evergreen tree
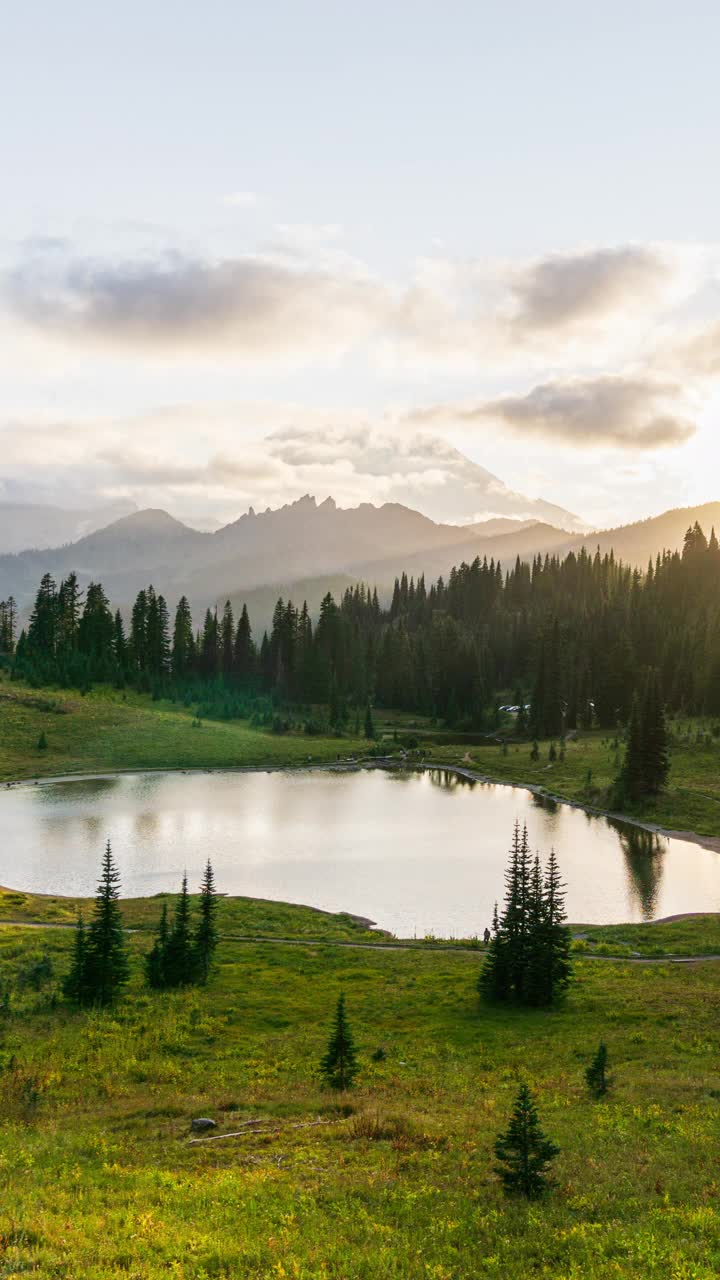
column 155, row 960
column 206, row 935
column 647, row 763
column 339, row 1066
column 183, row 642
column 552, row 954
column 179, row 952
column 502, row 975
column 68, row 614
column 227, row 642
column 654, row 739
column 596, row 1075
column 96, row 631
column 42, row 630
column 524, row 1153
column 244, row 660
column 119, row 642
column 106, row 963
column 209, row 647
column 156, row 635
column 8, row 623
column 528, row 958
column 629, row 784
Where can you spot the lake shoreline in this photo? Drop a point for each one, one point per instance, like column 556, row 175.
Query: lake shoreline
column 387, row 763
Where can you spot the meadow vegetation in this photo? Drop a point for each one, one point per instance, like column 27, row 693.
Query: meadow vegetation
column 393, row 1178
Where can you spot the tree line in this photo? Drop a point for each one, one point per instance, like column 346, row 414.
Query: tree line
column 575, row 640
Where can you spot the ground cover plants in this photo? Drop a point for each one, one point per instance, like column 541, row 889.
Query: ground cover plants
column 99, row 1177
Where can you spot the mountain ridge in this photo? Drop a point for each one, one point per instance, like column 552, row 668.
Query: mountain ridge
column 306, row 542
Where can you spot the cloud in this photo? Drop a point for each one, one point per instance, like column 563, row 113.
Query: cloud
column 147, row 460
column 568, row 289
column 306, row 297
column 620, row 412
column 244, row 306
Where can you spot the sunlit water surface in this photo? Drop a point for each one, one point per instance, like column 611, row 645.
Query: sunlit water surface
column 417, row 852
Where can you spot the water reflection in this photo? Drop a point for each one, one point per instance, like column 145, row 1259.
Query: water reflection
column 644, row 856
column 446, row 780
column 416, row 850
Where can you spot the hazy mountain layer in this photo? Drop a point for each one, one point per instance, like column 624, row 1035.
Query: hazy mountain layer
column 25, row 525
column 305, row 548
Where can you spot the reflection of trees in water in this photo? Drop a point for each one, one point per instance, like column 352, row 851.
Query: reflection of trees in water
column 546, row 803
column 644, row 852
column 75, row 790
column 448, row 780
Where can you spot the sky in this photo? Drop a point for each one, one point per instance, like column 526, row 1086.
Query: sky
column 248, row 252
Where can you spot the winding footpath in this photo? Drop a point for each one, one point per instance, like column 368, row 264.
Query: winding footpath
column 425, row 948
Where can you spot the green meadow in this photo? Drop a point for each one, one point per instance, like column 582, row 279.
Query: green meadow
column 394, row 1178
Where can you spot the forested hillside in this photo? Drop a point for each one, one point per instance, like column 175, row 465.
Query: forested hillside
column 575, row 636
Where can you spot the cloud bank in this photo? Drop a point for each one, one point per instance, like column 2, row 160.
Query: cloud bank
column 307, row 300
column 618, row 412
column 177, row 305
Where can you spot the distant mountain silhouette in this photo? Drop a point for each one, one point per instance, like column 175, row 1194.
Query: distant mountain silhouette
column 305, row 548
column 300, row 541
column 25, row 525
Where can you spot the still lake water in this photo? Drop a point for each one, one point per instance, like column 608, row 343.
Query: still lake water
column 417, row 852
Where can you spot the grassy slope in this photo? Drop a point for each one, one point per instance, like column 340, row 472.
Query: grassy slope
column 99, row 1181
column 105, row 730
column 239, row 917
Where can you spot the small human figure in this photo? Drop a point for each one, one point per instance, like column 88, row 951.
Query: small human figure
column 486, row 936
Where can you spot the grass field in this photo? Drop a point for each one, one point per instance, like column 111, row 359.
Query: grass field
column 99, row 1179
column 107, row 730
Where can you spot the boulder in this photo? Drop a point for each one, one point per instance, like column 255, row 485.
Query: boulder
column 202, row 1125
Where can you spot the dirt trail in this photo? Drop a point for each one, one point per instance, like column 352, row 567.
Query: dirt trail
column 255, row 940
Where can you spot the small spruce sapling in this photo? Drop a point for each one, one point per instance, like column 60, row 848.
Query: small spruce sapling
column 339, row 1065
column 596, row 1075
column 524, row 1153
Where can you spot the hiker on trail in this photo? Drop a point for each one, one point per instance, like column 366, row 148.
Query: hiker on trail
column 486, row 936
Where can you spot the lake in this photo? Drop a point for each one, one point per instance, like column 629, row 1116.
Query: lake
column 415, row 851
